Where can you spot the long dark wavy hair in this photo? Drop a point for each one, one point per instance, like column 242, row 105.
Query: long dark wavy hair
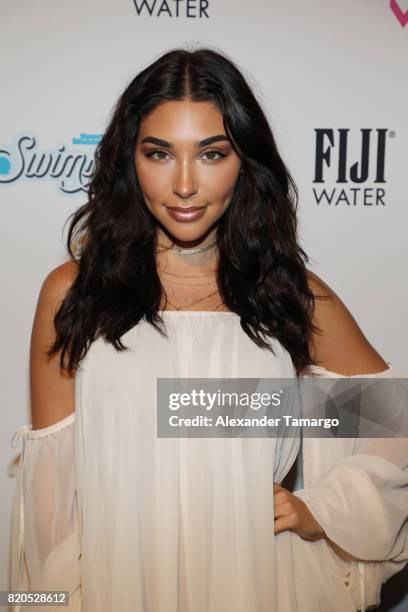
column 261, row 273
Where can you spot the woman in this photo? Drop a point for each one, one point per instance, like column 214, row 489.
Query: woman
column 189, row 267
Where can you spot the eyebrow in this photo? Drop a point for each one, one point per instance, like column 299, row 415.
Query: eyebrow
column 202, row 143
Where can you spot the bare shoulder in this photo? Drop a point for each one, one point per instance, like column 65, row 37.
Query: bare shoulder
column 340, row 345
column 51, row 389
column 58, row 282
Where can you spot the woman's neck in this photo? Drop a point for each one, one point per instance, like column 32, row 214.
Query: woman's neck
column 200, row 263
column 169, row 257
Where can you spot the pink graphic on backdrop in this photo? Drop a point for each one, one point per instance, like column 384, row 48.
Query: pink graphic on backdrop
column 401, row 15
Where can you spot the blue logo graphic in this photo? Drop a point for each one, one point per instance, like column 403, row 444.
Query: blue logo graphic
column 5, row 165
column 87, row 139
column 71, row 167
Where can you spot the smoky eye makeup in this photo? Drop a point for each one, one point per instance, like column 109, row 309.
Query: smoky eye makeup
column 209, row 154
column 214, row 152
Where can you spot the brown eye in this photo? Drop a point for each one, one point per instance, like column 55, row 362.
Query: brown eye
column 156, row 151
column 214, row 152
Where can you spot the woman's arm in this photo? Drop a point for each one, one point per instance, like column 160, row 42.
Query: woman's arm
column 340, row 346
column 45, row 542
column 356, row 489
column 52, row 390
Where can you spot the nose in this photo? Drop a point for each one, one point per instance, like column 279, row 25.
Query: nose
column 184, row 184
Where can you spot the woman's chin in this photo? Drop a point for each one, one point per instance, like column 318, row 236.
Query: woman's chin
column 187, row 237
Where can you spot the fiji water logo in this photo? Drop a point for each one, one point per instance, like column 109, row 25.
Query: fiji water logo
column 191, row 9
column 70, row 167
column 400, row 14
column 351, row 167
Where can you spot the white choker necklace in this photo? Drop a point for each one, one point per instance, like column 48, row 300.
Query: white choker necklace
column 193, row 250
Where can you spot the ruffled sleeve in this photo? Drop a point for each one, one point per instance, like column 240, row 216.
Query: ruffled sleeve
column 45, row 541
column 357, row 488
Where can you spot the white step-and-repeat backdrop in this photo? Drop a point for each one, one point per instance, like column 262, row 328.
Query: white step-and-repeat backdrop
column 332, row 78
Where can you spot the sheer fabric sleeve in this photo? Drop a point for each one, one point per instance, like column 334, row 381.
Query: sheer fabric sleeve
column 357, row 489
column 45, row 542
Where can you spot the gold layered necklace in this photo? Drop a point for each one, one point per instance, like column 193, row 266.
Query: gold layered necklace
column 190, row 301
column 193, row 302
column 180, row 279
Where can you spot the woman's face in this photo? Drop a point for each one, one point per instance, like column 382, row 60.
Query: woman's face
column 184, row 160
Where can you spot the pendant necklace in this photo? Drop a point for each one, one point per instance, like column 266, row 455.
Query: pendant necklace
column 192, row 301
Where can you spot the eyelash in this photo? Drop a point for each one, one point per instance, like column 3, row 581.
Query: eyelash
column 151, row 153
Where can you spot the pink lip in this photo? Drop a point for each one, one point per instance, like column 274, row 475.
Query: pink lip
column 190, row 213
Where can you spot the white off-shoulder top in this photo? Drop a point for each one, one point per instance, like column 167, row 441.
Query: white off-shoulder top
column 124, row 520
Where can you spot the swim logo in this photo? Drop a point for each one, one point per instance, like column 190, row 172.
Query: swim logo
column 70, row 167
column 351, row 167
column 191, row 9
